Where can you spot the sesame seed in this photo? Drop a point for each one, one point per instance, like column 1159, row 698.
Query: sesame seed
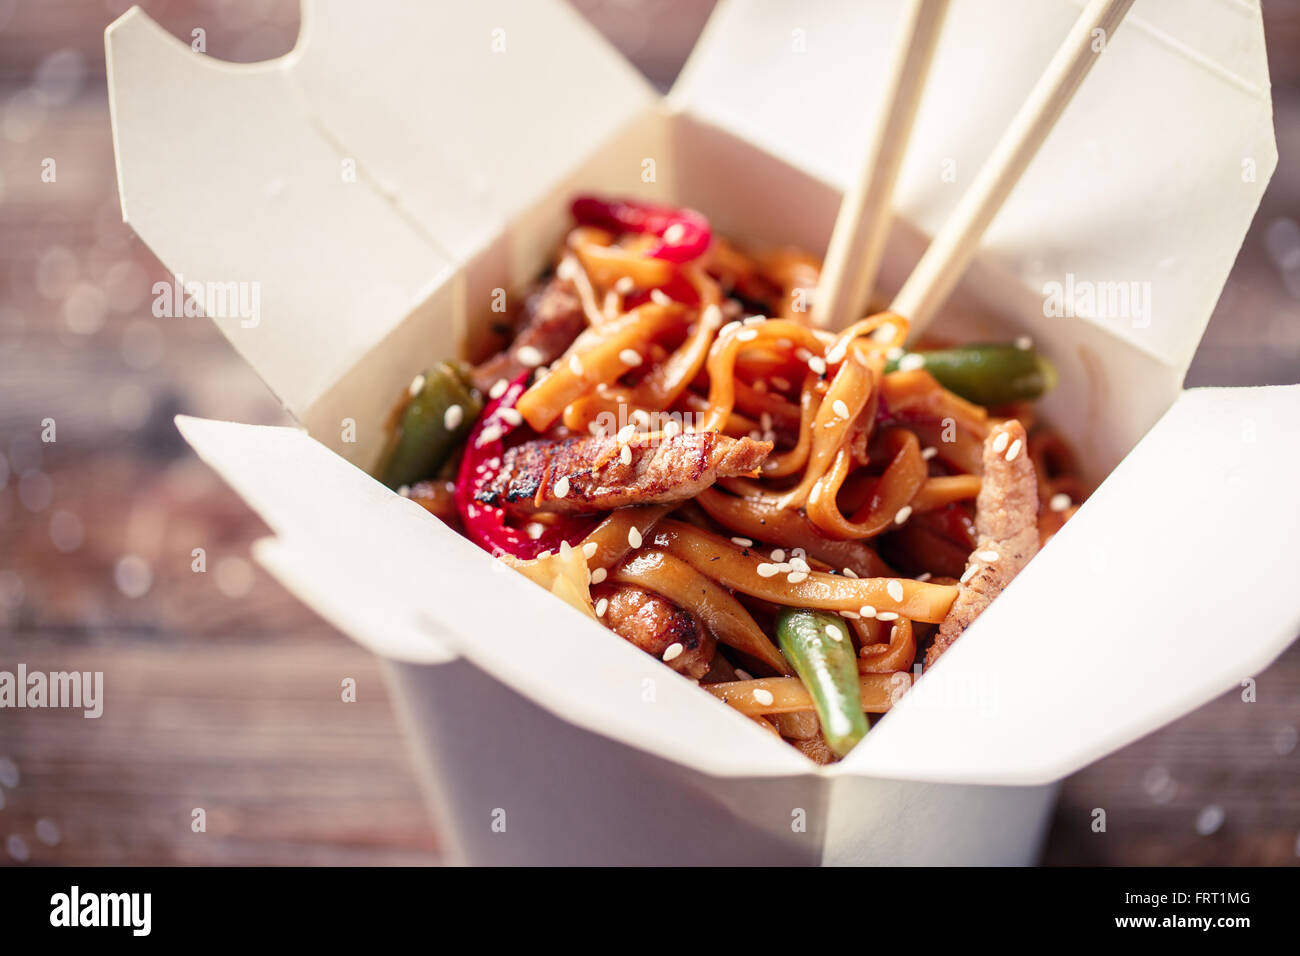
column 794, row 577
column 634, row 537
column 969, row 573
column 924, row 577
column 575, row 364
column 764, row 697
column 850, row 615
column 529, row 356
column 562, row 487
column 512, row 417
column 894, row 354
column 673, row 651
column 625, row 455
column 903, row 514
column 778, row 555
column 1060, row 501
column 498, row 388
column 748, row 335
column 624, row 285
column 987, row 556
column 589, row 550
column 929, row 452
column 598, row 575
column 886, row 616
column 1000, row 443
column 728, row 329
column 895, row 590
column 1014, row 450
column 849, row 573
column 767, row 570
column 626, row 434
column 840, row 408
column 799, row 564
column 659, row 297
column 751, row 320
column 565, row 549
column 836, row 355
column 1024, row 343
column 417, row 385
column 743, row 674
column 544, row 555
column 602, row 606
column 834, row 633
column 404, row 491
column 867, row 610
column 817, row 364
column 452, row 417
column 911, row 362
column 630, row 357
column 488, row 435
column 743, row 542
column 534, row 529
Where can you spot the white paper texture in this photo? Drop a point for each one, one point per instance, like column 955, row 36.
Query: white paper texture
column 227, row 180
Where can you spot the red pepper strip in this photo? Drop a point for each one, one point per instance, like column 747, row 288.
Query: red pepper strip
column 486, row 525
column 684, row 233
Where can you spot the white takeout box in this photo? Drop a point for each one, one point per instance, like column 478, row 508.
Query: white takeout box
column 405, row 160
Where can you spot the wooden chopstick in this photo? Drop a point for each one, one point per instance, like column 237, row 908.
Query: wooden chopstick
column 858, row 240
column 946, row 259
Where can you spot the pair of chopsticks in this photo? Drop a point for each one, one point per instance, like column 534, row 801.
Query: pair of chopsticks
column 857, row 242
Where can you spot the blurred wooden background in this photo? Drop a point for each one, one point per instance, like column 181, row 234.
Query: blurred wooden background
column 224, row 691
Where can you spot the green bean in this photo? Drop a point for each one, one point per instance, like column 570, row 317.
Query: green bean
column 988, row 375
column 429, row 430
column 820, row 650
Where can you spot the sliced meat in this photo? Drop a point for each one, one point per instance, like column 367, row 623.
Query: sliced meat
column 575, row 475
column 655, row 624
column 1006, row 520
column 552, row 319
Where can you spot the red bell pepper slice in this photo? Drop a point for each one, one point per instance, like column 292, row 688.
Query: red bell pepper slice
column 684, row 234
column 484, row 524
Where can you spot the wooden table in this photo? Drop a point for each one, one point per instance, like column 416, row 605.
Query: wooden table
column 224, row 691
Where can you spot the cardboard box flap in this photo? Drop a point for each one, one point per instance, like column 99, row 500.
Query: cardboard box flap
column 1111, row 221
column 237, row 191
column 1173, row 584
column 464, row 113
column 367, row 568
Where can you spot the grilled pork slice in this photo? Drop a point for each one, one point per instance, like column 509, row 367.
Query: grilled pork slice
column 655, row 625
column 552, row 319
column 1006, row 520
column 575, row 475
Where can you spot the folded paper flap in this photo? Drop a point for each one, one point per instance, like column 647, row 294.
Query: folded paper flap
column 464, row 113
column 1171, row 585
column 255, row 211
column 405, row 585
column 1110, row 221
